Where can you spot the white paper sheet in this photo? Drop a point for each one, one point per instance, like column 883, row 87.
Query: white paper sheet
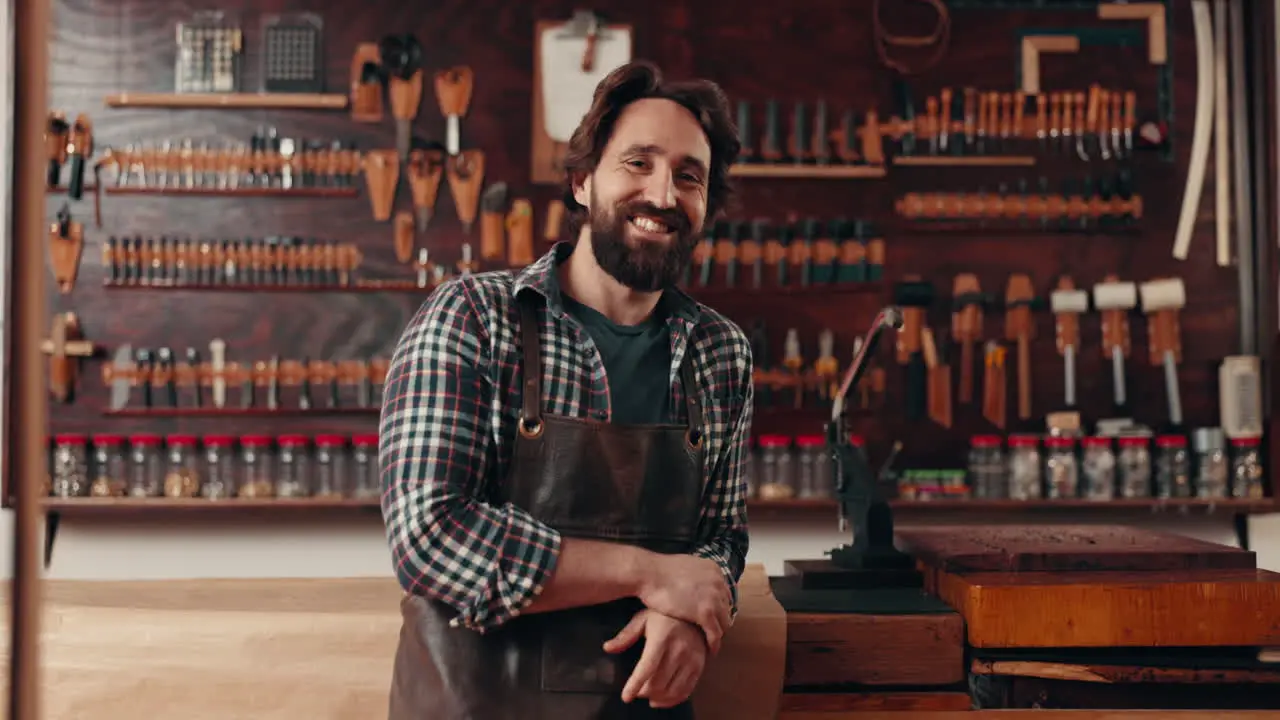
column 566, row 89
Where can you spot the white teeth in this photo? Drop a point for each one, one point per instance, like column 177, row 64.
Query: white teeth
column 649, row 225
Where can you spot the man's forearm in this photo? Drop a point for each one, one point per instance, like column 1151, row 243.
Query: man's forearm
column 591, row 572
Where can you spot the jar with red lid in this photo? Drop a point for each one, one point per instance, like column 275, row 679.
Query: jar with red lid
column 777, row 473
column 1061, row 471
column 110, row 466
column 1246, row 468
column 258, row 474
column 293, row 469
column 1134, row 463
column 69, row 467
column 146, row 466
column 1173, row 467
column 330, row 467
column 366, row 484
column 219, row 467
column 182, row 475
column 813, row 467
column 1025, row 469
column 1098, row 469
column 987, row 467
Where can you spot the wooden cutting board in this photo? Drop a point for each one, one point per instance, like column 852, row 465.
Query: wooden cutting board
column 1084, row 586
column 1064, row 548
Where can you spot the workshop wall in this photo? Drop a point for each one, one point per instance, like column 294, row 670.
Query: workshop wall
column 806, row 52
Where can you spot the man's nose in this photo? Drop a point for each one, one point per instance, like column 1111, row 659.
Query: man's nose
column 660, row 189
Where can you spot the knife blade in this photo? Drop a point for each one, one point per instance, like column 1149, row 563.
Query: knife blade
column 164, row 357
column 193, row 360
column 304, row 397
column 218, row 362
column 146, row 364
column 366, row 386
column 120, row 385
column 273, row 384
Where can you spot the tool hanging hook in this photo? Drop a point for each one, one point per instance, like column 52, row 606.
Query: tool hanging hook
column 939, row 39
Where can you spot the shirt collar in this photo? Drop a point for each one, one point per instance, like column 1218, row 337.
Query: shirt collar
column 541, row 278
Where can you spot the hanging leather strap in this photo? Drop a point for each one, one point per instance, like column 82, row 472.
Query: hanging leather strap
column 531, row 414
column 694, row 407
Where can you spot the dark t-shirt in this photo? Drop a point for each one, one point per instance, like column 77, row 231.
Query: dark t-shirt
column 637, row 362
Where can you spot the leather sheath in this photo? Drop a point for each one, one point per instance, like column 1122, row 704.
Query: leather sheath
column 635, row 484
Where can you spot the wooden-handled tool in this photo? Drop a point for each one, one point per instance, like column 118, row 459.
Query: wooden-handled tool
column 1068, row 303
column 453, row 90
column 79, row 149
column 425, row 168
column 55, row 146
column 465, row 171
column 367, row 78
column 1113, row 300
column 966, row 327
column 554, row 221
column 939, row 381
column 914, row 296
column 66, row 245
column 1018, row 327
column 1161, row 301
column 404, row 236
column 994, row 384
column 381, row 177
column 493, row 223
column 65, row 344
column 970, row 206
column 520, row 233
column 402, row 59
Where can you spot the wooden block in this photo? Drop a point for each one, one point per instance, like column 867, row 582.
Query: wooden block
column 826, row 575
column 1184, row 608
column 858, row 649
column 1064, row 548
column 1122, row 674
column 806, row 705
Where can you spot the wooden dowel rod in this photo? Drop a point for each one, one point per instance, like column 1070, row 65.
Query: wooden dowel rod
column 26, row 411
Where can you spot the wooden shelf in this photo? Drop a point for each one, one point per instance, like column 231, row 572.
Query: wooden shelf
column 709, row 294
column 237, row 412
column 1193, row 506
column 964, row 161
column 274, row 101
column 231, row 506
column 311, row 192
column 406, row 286
column 807, row 172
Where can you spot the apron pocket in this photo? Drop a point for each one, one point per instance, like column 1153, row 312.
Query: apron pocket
column 573, row 656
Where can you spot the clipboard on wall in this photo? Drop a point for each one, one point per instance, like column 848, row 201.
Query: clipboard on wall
column 569, row 59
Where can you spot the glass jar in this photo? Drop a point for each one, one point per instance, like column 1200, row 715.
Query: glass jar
column 182, row 474
column 1134, row 464
column 1061, row 471
column 69, row 470
column 146, row 466
column 986, row 467
column 330, row 467
column 293, row 471
column 1098, row 469
column 219, row 468
column 813, row 469
column 1024, row 468
column 1246, row 468
column 366, row 483
column 1173, row 467
column 258, row 480
column 1213, row 472
column 110, row 467
column 777, row 481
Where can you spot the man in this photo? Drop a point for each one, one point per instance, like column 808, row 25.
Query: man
column 562, row 447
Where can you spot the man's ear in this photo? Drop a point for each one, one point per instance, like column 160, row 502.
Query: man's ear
column 582, row 188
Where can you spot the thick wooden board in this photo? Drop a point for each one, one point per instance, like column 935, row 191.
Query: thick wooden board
column 871, row 702
column 1186, row 608
column 862, row 649
column 1062, row 548
column 1080, row 672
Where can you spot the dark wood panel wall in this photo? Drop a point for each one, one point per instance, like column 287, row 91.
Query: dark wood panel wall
column 802, row 51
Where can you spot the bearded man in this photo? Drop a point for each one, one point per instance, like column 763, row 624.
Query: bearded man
column 562, row 447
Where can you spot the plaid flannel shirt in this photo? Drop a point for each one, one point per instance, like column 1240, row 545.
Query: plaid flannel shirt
column 449, row 411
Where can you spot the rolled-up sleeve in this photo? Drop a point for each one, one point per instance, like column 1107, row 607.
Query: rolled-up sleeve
column 724, row 515
column 435, row 449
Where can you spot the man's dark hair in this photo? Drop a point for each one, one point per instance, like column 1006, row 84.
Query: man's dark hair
column 639, row 80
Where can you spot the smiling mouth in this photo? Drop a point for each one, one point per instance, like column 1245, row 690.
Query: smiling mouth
column 650, row 225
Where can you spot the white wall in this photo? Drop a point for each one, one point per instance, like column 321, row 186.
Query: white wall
column 208, row 547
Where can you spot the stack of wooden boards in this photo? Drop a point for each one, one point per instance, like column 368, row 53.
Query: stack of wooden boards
column 1038, row 616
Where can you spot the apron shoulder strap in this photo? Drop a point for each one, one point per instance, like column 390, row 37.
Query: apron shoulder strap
column 691, row 400
column 531, row 413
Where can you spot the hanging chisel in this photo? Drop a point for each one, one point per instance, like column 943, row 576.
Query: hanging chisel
column 753, row 251
column 820, row 144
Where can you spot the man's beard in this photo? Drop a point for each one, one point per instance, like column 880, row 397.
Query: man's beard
column 646, row 266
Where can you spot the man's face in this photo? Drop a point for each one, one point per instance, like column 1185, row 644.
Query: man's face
column 647, row 199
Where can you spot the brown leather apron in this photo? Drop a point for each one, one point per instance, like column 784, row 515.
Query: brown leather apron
column 637, row 484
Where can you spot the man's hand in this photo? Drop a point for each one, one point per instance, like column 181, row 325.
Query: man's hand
column 672, row 661
column 692, row 589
